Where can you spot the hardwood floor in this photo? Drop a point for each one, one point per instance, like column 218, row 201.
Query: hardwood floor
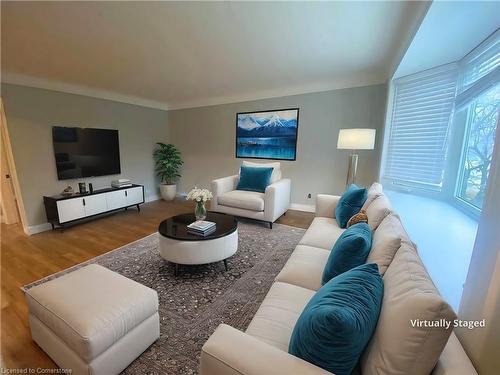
column 28, row 258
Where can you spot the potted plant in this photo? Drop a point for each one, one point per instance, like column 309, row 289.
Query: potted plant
column 167, row 166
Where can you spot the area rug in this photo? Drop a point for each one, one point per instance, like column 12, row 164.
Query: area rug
column 194, row 303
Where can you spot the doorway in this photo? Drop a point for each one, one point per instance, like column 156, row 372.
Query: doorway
column 10, row 203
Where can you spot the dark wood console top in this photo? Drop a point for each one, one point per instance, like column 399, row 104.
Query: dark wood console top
column 60, row 197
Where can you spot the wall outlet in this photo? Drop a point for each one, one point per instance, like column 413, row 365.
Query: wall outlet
column 309, row 196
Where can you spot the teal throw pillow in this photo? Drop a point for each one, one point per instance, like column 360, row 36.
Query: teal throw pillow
column 254, row 178
column 339, row 320
column 350, row 204
column 350, row 250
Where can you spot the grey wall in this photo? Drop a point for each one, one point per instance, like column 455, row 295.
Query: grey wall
column 206, row 138
column 32, row 112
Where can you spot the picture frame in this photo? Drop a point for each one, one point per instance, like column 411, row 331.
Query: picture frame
column 267, row 134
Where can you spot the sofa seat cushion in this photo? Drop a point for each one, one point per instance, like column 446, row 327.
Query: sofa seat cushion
column 323, row 232
column 274, row 321
column 409, row 295
column 90, row 309
column 247, row 200
column 305, row 267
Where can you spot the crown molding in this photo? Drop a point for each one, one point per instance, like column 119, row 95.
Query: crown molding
column 367, row 80
column 42, row 83
column 46, row 84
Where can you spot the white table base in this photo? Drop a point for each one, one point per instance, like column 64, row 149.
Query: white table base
column 199, row 252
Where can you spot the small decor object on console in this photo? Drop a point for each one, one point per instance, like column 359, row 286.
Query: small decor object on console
column 82, row 187
column 122, row 182
column 200, row 196
column 68, row 192
column 360, row 217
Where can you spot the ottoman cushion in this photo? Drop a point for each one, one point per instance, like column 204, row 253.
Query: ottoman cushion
column 91, row 308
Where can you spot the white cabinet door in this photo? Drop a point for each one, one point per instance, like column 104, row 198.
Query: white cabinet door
column 70, row 209
column 116, row 199
column 95, row 204
column 134, row 196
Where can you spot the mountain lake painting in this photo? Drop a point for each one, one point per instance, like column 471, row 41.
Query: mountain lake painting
column 267, row 134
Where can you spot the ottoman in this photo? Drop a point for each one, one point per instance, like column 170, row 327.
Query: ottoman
column 93, row 320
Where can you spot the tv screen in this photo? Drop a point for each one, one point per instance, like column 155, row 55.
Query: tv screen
column 85, row 152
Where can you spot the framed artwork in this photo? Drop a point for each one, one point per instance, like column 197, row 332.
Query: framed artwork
column 267, row 134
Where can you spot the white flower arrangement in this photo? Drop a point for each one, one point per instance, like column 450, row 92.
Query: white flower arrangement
column 199, row 195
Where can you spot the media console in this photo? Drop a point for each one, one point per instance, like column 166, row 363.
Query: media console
column 62, row 210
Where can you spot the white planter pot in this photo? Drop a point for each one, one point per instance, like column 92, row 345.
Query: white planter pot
column 168, row 192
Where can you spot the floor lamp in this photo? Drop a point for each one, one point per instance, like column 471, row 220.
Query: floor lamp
column 355, row 139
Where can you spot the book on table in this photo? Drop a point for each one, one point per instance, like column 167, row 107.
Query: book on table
column 201, row 225
column 201, row 233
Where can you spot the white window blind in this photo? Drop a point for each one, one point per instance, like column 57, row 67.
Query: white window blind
column 483, row 60
column 479, row 70
column 422, row 109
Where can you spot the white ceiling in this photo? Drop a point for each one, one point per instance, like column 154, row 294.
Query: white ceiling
column 175, row 55
column 449, row 31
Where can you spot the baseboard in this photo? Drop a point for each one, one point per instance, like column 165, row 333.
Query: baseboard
column 303, row 207
column 34, row 229
column 152, row 198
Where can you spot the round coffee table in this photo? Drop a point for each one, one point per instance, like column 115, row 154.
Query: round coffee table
column 179, row 246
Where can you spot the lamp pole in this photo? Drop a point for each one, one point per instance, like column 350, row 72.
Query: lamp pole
column 352, row 168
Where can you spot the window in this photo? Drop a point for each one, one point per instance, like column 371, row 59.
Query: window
column 423, row 105
column 443, row 128
column 482, row 118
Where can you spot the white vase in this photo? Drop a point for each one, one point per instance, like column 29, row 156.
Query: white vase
column 168, row 191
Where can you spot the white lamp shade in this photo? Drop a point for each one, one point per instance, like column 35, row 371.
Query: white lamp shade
column 356, row 139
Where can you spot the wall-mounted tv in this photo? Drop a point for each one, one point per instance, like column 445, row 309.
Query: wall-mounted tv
column 85, row 152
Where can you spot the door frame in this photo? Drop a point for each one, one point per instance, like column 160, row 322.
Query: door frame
column 12, row 166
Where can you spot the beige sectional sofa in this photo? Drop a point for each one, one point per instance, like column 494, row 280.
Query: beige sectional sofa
column 396, row 346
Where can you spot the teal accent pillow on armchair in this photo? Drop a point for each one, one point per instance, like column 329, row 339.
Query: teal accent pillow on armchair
column 350, row 204
column 339, row 320
column 350, row 250
column 254, row 178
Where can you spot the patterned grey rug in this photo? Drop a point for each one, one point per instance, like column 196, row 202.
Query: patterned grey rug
column 195, row 302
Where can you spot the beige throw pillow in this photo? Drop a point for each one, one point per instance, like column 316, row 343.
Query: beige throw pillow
column 374, row 192
column 401, row 344
column 377, row 211
column 275, row 176
column 386, row 241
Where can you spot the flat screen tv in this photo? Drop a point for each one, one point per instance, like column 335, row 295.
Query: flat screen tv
column 85, row 152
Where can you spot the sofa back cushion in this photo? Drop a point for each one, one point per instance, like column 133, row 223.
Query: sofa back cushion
column 254, row 179
column 386, row 241
column 338, row 321
column 275, row 176
column 350, row 250
column 401, row 340
column 377, row 211
column 350, row 204
column 374, row 192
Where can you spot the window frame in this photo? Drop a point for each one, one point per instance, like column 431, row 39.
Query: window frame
column 459, row 135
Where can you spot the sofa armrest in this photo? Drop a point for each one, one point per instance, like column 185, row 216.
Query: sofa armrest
column 277, row 200
column 326, row 204
column 223, row 185
column 454, row 360
column 232, row 352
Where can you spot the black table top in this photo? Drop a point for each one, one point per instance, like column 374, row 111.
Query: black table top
column 176, row 227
